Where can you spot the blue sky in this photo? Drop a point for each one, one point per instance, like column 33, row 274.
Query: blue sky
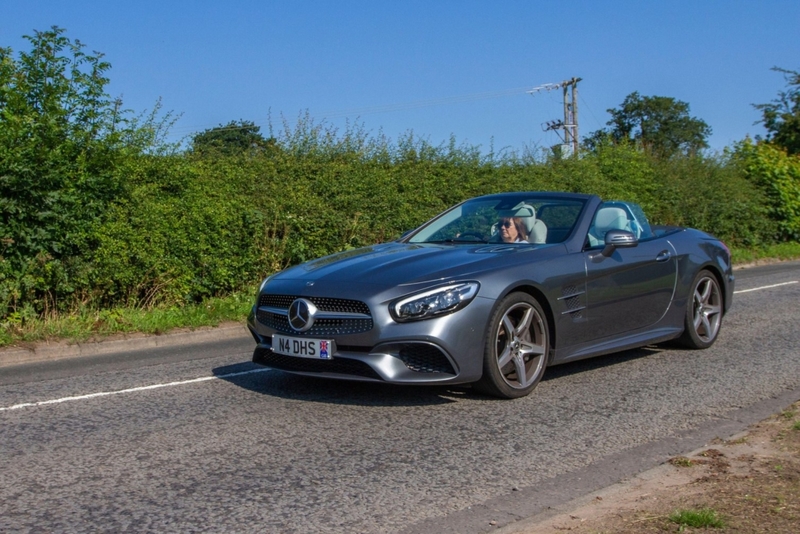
column 213, row 62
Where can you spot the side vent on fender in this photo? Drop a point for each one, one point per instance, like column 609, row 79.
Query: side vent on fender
column 572, row 299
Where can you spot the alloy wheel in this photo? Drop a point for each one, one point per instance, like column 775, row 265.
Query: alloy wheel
column 521, row 344
column 707, row 310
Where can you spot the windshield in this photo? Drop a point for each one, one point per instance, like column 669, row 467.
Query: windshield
column 524, row 219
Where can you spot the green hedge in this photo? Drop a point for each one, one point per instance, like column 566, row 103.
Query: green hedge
column 98, row 211
column 777, row 175
column 188, row 227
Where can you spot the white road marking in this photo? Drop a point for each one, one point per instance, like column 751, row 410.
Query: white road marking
column 206, row 378
column 130, row 390
column 764, row 287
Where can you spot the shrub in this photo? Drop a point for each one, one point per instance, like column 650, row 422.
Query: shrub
column 98, row 211
column 778, row 176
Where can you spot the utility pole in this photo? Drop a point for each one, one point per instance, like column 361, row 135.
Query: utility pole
column 570, row 122
column 571, row 114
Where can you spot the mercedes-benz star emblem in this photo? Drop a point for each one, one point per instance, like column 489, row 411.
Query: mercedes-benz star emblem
column 301, row 314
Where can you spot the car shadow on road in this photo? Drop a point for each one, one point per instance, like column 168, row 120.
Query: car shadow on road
column 256, row 378
column 599, row 362
column 306, row 388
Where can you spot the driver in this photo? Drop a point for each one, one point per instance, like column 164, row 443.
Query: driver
column 512, row 230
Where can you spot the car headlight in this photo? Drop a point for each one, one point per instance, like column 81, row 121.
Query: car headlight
column 434, row 302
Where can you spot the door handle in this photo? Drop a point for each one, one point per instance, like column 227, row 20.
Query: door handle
column 664, row 255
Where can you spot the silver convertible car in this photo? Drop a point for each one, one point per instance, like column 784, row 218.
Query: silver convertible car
column 493, row 291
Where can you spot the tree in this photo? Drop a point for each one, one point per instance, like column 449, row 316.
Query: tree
column 62, row 139
column 781, row 117
column 58, row 135
column 232, row 138
column 660, row 125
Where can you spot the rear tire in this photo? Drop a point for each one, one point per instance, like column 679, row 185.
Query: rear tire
column 703, row 312
column 517, row 348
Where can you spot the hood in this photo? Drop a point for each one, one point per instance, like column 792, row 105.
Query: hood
column 401, row 263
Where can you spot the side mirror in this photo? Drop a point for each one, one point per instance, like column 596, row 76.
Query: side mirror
column 618, row 239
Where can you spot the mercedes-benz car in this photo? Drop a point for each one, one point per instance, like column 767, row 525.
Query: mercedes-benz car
column 492, row 292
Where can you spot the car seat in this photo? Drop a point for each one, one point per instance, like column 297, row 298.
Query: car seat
column 537, row 230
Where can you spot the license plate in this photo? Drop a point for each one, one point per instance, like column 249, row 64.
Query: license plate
column 319, row 349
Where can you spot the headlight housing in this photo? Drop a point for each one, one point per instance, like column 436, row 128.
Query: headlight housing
column 433, row 302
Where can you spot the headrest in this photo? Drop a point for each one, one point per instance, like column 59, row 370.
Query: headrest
column 520, row 210
column 525, row 211
column 612, row 218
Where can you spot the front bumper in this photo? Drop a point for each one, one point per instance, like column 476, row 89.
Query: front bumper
column 441, row 350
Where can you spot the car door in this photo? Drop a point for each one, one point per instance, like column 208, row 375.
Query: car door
column 630, row 289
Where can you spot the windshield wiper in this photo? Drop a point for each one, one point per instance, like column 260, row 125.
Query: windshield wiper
column 454, row 241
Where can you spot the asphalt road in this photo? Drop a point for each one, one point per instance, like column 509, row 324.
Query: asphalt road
column 195, row 438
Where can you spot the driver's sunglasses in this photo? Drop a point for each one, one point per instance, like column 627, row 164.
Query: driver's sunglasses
column 506, row 224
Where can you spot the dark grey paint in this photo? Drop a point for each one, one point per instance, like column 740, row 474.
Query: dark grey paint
column 629, row 296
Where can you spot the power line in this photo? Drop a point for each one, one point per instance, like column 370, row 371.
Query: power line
column 586, row 105
column 400, row 106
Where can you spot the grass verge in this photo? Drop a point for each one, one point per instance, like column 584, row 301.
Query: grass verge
column 779, row 252
column 746, row 485
column 86, row 324
column 702, row 518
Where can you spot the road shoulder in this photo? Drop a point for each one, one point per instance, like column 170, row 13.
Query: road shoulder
column 751, row 481
column 121, row 343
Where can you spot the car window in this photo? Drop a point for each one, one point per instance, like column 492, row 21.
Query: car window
column 618, row 215
column 646, row 232
column 560, row 219
column 540, row 220
column 474, row 222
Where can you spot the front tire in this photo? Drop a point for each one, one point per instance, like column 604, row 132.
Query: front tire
column 703, row 312
column 517, row 348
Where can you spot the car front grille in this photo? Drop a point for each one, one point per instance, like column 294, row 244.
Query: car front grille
column 424, row 358
column 322, row 327
column 322, row 303
column 341, row 366
column 326, row 327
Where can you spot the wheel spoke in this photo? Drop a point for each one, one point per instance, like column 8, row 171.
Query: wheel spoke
column 505, row 357
column 713, row 321
column 706, row 325
column 522, row 374
column 524, row 324
column 527, row 347
column 706, row 291
column 698, row 319
column 508, row 326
